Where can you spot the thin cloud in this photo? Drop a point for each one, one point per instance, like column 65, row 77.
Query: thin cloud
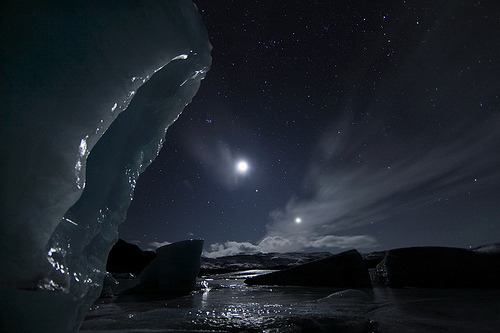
column 349, row 186
column 343, row 242
column 422, row 135
column 218, row 157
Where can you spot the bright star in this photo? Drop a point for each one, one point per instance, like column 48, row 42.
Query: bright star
column 242, row 167
column 298, row 220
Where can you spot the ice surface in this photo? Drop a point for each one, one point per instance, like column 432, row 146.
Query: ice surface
column 225, row 304
column 88, row 91
column 175, row 267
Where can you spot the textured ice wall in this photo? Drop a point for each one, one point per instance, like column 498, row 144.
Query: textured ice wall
column 88, row 91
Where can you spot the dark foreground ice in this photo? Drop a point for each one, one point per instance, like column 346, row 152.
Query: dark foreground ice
column 224, row 303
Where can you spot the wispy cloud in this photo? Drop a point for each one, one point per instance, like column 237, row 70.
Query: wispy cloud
column 218, row 157
column 351, row 184
column 427, row 131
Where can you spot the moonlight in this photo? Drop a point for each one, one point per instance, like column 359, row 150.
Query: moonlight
column 242, row 167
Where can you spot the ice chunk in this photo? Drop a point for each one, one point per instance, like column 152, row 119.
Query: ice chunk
column 175, row 267
column 108, row 285
column 88, row 91
column 439, row 267
column 344, row 270
column 128, row 258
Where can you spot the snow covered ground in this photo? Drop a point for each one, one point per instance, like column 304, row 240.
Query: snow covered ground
column 223, row 303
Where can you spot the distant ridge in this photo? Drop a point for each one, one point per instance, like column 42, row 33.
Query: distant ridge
column 240, row 262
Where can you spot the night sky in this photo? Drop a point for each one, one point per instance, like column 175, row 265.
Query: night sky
column 365, row 124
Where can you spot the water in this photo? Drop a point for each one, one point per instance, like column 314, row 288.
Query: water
column 224, row 303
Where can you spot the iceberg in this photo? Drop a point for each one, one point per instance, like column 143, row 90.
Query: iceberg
column 89, row 90
column 128, row 258
column 175, row 267
column 343, row 270
column 439, row 267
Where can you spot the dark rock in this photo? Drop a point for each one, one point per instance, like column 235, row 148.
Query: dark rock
column 128, row 258
column 344, row 270
column 439, row 267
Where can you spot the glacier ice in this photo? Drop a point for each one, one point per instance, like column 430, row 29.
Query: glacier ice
column 175, row 267
column 88, row 92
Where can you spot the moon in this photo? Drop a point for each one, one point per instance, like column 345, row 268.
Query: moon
column 298, row 220
column 242, row 167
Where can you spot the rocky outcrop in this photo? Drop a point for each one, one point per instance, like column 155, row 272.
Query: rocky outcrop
column 128, row 258
column 344, row 270
column 439, row 267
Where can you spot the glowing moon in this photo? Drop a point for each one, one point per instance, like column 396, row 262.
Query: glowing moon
column 242, row 167
column 298, row 220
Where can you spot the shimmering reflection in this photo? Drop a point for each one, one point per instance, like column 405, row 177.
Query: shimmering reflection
column 240, row 316
column 206, row 289
column 225, row 304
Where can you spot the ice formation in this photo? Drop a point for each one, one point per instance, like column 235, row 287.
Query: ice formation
column 343, row 270
column 88, row 91
column 175, row 267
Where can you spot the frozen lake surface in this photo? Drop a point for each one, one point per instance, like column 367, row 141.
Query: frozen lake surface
column 223, row 303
